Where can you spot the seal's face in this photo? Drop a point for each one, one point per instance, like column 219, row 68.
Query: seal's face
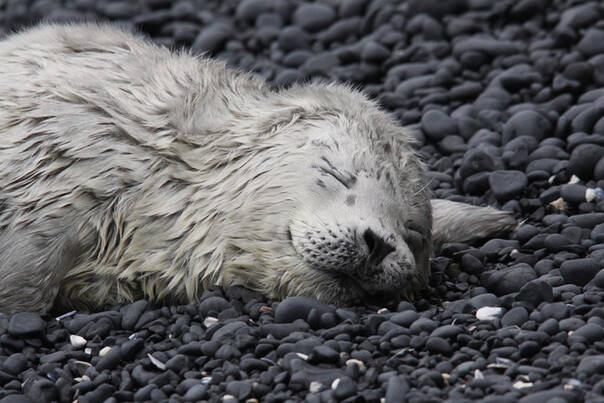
column 334, row 203
column 359, row 231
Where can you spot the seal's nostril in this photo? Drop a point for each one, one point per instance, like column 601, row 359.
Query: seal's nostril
column 378, row 247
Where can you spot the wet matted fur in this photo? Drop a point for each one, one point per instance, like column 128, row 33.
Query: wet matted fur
column 128, row 171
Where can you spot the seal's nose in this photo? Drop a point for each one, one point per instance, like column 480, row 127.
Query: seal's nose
column 377, row 246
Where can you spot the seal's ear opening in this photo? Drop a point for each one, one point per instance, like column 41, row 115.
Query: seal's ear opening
column 461, row 222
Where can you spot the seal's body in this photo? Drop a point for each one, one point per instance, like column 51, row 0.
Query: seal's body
column 128, row 171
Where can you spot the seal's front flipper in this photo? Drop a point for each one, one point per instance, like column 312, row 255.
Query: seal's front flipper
column 461, row 222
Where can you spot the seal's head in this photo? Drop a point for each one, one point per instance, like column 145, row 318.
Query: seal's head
column 346, row 215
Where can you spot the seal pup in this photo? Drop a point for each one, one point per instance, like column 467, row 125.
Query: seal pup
column 128, row 171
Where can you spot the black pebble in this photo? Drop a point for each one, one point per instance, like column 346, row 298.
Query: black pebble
column 314, row 16
column 437, row 125
column 508, row 280
column 579, row 271
column 507, row 184
column 293, row 308
column 515, row 317
column 25, row 324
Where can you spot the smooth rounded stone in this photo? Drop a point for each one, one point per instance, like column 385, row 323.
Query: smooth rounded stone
column 212, row 306
column 229, row 330
column 446, row 331
column 486, row 299
column 16, row 398
column 452, row 144
column 293, row 308
column 373, row 52
column 340, row 31
column 292, row 38
column 470, row 264
column 196, row 393
column 515, row 317
column 508, row 280
column 475, row 161
column 535, row 292
column 249, row 10
column 579, row 16
column 351, row 8
column 557, row 243
column 579, row 271
column 583, row 160
column 592, row 42
column 591, row 365
column 494, row 247
column 526, row 123
column 25, row 324
column 40, row 390
column 437, row 125
column 281, row 330
column 287, row 77
column 15, row 363
column 551, row 396
column 488, row 46
column 405, row 318
column 120, row 9
column 586, row 119
column 571, row 324
column 588, row 220
column 599, row 169
column 555, row 310
column 423, row 325
column 324, row 354
column 240, row 389
column 591, row 332
column 110, row 360
column 507, row 184
column 131, row 348
column 314, row 16
column 438, row 345
column 548, row 151
column 489, row 313
column 396, row 389
column 573, row 192
column 599, row 279
column 212, row 38
column 132, row 313
column 320, row 64
column 549, row 326
column 344, row 388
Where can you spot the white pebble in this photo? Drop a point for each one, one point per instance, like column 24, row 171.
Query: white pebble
column 104, row 351
column 489, row 312
column 77, row 341
column 574, row 179
column 209, row 321
column 360, row 363
column 522, row 385
column 590, row 195
column 315, row 387
column 335, row 383
column 157, row 362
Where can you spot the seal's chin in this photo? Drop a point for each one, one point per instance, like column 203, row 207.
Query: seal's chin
column 349, row 290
